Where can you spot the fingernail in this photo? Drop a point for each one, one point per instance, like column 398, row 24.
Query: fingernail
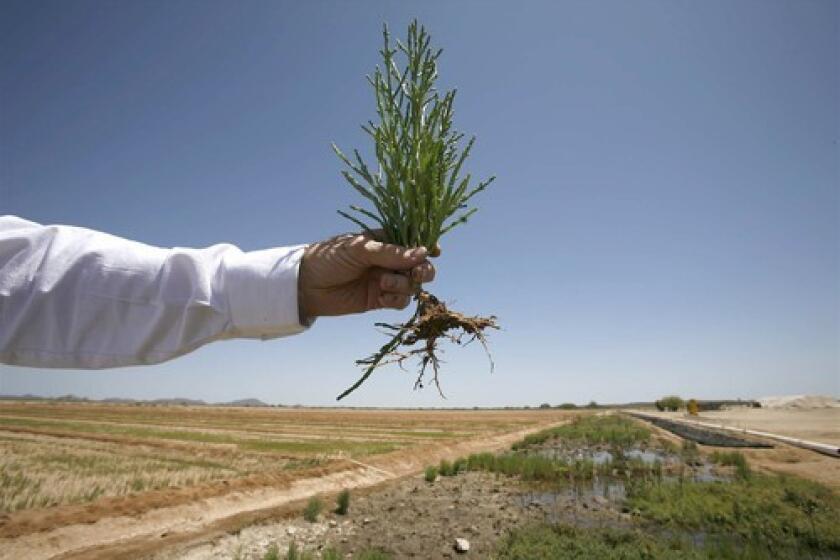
column 418, row 253
column 388, row 282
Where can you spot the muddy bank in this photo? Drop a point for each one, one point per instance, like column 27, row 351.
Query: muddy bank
column 412, row 518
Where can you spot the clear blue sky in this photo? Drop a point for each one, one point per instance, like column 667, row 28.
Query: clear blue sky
column 666, row 216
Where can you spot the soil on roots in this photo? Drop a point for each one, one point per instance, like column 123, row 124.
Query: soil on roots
column 419, row 337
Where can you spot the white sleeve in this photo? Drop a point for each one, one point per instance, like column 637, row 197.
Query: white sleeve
column 76, row 298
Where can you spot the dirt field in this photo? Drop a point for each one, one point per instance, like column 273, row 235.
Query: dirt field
column 821, row 424
column 82, row 478
column 98, row 481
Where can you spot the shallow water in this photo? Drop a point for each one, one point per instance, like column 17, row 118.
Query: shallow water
column 602, row 456
column 562, row 502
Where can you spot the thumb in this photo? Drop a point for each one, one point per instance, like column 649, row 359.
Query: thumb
column 386, row 255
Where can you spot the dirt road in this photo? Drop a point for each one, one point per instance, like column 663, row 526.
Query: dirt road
column 820, row 424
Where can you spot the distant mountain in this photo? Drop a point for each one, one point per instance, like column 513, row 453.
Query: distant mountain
column 245, row 402
column 177, row 401
column 72, row 398
column 26, row 397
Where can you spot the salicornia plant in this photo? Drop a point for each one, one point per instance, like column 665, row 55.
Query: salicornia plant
column 418, row 187
column 418, row 191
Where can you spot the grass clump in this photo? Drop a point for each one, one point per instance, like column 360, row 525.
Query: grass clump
column 732, row 459
column 372, row 554
column 690, row 453
column 610, row 429
column 527, row 467
column 565, row 542
column 330, row 553
column 445, row 468
column 431, row 474
column 313, row 509
column 273, row 552
column 293, row 553
column 417, row 194
column 782, row 516
column 342, row 502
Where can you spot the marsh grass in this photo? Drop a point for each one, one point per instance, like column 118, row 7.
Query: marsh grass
column 537, row 468
column 563, row 542
column 690, row 453
column 784, row 516
column 610, row 429
column 732, row 459
column 753, row 515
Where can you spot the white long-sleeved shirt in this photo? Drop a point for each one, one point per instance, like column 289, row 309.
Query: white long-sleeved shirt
column 75, row 298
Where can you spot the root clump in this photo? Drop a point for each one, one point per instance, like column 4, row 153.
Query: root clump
column 431, row 321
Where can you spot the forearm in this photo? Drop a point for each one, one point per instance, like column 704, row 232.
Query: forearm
column 76, row 298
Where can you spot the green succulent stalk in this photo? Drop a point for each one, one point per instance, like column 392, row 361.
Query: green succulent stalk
column 418, row 189
column 417, row 192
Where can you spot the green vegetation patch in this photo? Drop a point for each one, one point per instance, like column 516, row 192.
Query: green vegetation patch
column 779, row 514
column 342, row 502
column 329, row 553
column 528, row 467
column 313, row 509
column 355, row 448
column 591, row 430
column 732, row 459
column 562, row 542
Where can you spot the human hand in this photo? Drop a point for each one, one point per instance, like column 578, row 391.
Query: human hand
column 355, row 273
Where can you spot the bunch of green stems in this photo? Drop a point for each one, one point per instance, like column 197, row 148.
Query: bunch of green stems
column 417, row 189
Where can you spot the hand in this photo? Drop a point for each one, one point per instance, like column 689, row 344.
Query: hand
column 356, row 273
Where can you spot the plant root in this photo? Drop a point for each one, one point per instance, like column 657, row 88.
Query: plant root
column 431, row 321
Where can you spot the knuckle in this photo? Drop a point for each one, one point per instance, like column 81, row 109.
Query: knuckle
column 355, row 245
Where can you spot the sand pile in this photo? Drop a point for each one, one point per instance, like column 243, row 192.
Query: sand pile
column 800, row 401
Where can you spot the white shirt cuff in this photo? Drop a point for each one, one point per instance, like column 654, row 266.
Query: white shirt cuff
column 262, row 291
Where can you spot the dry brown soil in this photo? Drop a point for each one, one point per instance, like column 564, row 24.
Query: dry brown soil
column 820, row 424
column 411, row 518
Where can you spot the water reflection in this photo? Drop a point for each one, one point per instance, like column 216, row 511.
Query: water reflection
column 612, row 475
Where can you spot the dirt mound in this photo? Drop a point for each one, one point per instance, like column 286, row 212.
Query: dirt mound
column 799, row 401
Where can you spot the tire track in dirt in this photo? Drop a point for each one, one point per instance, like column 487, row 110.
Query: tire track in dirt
column 137, row 535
